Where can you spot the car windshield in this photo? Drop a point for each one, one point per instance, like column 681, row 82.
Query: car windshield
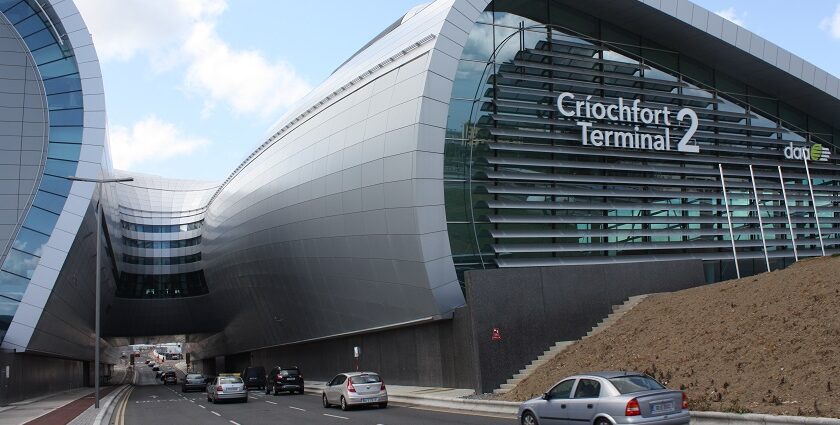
column 365, row 379
column 230, row 380
column 193, row 376
column 635, row 383
column 289, row 372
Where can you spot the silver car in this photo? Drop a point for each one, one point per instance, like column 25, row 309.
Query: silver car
column 227, row 387
column 607, row 398
column 355, row 389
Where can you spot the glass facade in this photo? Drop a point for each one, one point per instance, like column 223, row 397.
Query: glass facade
column 162, row 285
column 523, row 188
column 146, row 244
column 165, row 228
column 161, row 261
column 57, row 66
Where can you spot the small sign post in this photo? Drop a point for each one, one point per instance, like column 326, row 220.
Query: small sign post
column 496, row 335
column 357, row 352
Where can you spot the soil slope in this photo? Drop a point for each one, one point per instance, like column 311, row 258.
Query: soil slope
column 764, row 344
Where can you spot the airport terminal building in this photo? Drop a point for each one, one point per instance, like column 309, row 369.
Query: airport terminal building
column 473, row 163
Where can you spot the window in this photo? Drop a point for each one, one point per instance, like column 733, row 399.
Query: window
column 562, row 390
column 588, row 388
column 365, row 379
column 635, row 383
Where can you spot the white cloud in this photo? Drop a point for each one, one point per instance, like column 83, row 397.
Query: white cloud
column 831, row 24
column 122, row 29
column 182, row 33
column 150, row 138
column 244, row 79
column 732, row 15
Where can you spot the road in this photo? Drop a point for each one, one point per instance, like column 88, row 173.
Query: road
column 151, row 402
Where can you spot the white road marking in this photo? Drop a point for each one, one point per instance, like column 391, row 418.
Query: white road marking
column 215, row 413
column 192, row 401
column 334, row 416
column 201, row 406
column 234, row 423
column 270, row 402
column 297, row 408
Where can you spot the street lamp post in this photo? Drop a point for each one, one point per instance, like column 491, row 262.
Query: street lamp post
column 99, row 183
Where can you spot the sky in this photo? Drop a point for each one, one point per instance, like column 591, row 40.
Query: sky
column 192, row 87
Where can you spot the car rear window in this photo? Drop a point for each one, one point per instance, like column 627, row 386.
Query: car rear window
column 289, row 372
column 193, row 376
column 635, row 383
column 365, row 379
column 170, row 374
column 230, row 380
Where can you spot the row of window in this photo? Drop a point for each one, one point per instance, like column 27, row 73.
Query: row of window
column 181, row 243
column 161, row 261
column 161, row 286
column 161, row 228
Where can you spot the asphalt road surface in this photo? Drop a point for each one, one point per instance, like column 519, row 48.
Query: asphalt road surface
column 151, row 402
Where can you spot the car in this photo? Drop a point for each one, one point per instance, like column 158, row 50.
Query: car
column 227, row 388
column 193, row 381
column 284, row 379
column 607, row 398
column 147, row 361
column 254, row 377
column 169, row 378
column 355, row 389
column 155, row 368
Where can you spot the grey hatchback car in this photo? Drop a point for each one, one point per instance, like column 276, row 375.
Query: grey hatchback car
column 607, row 398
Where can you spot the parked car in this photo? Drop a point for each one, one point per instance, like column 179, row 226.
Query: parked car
column 226, row 387
column 355, row 389
column 607, row 398
column 170, row 378
column 155, row 368
column 254, row 377
column 284, row 379
column 151, row 364
column 193, row 381
column 147, row 361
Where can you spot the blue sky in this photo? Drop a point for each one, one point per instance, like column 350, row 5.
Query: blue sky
column 192, row 86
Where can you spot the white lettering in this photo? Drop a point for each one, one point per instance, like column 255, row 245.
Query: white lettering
column 562, row 110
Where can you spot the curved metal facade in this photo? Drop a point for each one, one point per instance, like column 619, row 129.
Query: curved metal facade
column 63, row 117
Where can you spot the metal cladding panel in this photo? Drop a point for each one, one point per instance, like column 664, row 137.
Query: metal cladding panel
column 336, row 224
column 92, row 122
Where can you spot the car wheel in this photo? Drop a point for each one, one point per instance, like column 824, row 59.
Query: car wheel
column 209, row 400
column 245, row 400
column 344, row 405
column 300, row 391
column 383, row 405
column 267, row 391
column 276, row 392
column 602, row 421
column 324, row 401
column 528, row 418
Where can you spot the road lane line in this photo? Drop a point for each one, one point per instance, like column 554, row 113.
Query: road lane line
column 234, row 423
column 215, row 413
column 270, row 402
column 297, row 408
column 334, row 416
column 201, row 406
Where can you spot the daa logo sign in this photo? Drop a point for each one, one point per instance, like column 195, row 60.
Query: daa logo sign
column 815, row 153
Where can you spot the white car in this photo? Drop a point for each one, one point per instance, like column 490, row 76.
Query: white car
column 355, row 389
column 227, row 387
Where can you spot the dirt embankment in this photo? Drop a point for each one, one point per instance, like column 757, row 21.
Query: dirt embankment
column 764, row 344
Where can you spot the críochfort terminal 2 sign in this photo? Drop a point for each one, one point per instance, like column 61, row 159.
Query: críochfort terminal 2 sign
column 629, row 113
column 651, row 127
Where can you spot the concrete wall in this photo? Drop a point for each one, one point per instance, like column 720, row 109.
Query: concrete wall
column 536, row 307
column 431, row 354
column 32, row 376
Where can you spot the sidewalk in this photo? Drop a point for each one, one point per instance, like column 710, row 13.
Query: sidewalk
column 439, row 398
column 59, row 408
